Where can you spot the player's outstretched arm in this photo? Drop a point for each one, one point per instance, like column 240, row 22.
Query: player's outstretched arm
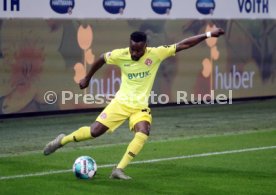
column 192, row 41
column 95, row 66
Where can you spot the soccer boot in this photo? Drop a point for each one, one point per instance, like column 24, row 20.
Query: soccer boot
column 53, row 145
column 119, row 174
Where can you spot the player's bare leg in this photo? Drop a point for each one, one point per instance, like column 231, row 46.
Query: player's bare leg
column 142, row 130
column 83, row 133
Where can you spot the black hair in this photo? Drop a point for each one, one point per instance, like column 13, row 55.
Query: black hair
column 138, row 36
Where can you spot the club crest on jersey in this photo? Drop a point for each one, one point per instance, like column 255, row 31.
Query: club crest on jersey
column 148, row 62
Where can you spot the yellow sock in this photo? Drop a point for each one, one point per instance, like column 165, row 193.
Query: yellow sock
column 133, row 149
column 81, row 134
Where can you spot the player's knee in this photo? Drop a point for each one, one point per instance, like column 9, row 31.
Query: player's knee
column 144, row 131
column 97, row 129
column 143, row 127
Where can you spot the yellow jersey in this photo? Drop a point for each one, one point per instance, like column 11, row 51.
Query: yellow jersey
column 137, row 77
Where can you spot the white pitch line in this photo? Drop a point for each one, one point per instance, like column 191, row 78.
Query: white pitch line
column 146, row 161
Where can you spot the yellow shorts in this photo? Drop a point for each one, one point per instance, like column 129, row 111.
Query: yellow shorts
column 115, row 114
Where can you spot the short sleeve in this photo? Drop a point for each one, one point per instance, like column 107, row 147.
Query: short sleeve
column 166, row 51
column 115, row 56
column 110, row 57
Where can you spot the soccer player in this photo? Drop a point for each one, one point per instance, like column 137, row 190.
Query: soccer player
column 139, row 65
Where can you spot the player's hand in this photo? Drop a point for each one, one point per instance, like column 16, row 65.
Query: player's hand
column 217, row 32
column 84, row 83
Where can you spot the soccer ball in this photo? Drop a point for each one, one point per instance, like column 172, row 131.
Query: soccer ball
column 84, row 167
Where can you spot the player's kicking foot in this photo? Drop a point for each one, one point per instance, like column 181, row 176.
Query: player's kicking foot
column 118, row 174
column 53, row 145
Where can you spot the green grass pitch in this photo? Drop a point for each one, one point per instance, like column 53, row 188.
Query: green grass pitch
column 216, row 149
